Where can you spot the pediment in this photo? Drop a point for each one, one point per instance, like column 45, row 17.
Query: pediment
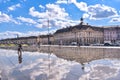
column 89, row 29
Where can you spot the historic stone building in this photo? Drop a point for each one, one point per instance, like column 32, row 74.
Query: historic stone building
column 20, row 40
column 45, row 39
column 81, row 34
column 112, row 34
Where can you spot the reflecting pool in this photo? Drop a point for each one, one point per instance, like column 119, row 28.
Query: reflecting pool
column 47, row 66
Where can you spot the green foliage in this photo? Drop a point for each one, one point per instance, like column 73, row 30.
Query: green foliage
column 24, row 44
column 11, row 45
column 2, row 45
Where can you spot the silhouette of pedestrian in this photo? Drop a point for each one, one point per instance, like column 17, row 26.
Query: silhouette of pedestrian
column 19, row 49
column 20, row 59
column 20, row 53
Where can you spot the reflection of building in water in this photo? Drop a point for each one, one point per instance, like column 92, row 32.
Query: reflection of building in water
column 37, row 67
column 82, row 55
column 20, row 59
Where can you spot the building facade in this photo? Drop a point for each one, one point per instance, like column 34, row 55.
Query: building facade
column 21, row 40
column 45, row 39
column 81, row 34
column 112, row 35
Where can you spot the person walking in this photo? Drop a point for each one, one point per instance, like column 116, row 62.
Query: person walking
column 19, row 49
column 19, row 53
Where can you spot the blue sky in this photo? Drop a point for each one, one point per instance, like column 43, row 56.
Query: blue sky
column 30, row 17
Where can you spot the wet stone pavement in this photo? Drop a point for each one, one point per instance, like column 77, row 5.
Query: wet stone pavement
column 47, row 66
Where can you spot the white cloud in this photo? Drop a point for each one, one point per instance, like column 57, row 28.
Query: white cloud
column 41, row 6
column 39, row 25
column 9, row 34
column 58, row 16
column 53, row 11
column 27, row 20
column 6, row 18
column 62, row 1
column 96, row 11
column 43, row 23
column 56, row 12
column 101, row 11
column 41, row 67
column 99, row 71
column 116, row 19
column 13, row 34
column 13, row 7
column 81, row 5
column 64, row 23
column 71, row 1
column 35, row 13
column 85, row 15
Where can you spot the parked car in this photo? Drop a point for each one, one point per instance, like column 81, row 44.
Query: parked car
column 87, row 44
column 107, row 44
column 97, row 44
column 73, row 43
column 114, row 44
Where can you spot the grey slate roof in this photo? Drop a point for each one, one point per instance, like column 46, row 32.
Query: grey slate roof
column 79, row 27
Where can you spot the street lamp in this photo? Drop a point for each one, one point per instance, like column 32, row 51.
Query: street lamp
column 48, row 33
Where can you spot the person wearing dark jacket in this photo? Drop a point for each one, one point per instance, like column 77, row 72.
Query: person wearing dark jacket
column 19, row 49
column 20, row 53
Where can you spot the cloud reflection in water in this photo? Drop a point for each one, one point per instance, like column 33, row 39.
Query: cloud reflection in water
column 41, row 66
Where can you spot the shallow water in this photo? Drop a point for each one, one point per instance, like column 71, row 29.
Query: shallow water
column 42, row 66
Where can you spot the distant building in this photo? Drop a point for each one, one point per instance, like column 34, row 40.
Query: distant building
column 32, row 40
column 20, row 40
column 43, row 39
column 112, row 34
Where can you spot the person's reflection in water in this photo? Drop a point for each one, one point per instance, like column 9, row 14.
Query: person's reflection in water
column 20, row 53
column 20, row 58
column 83, row 66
